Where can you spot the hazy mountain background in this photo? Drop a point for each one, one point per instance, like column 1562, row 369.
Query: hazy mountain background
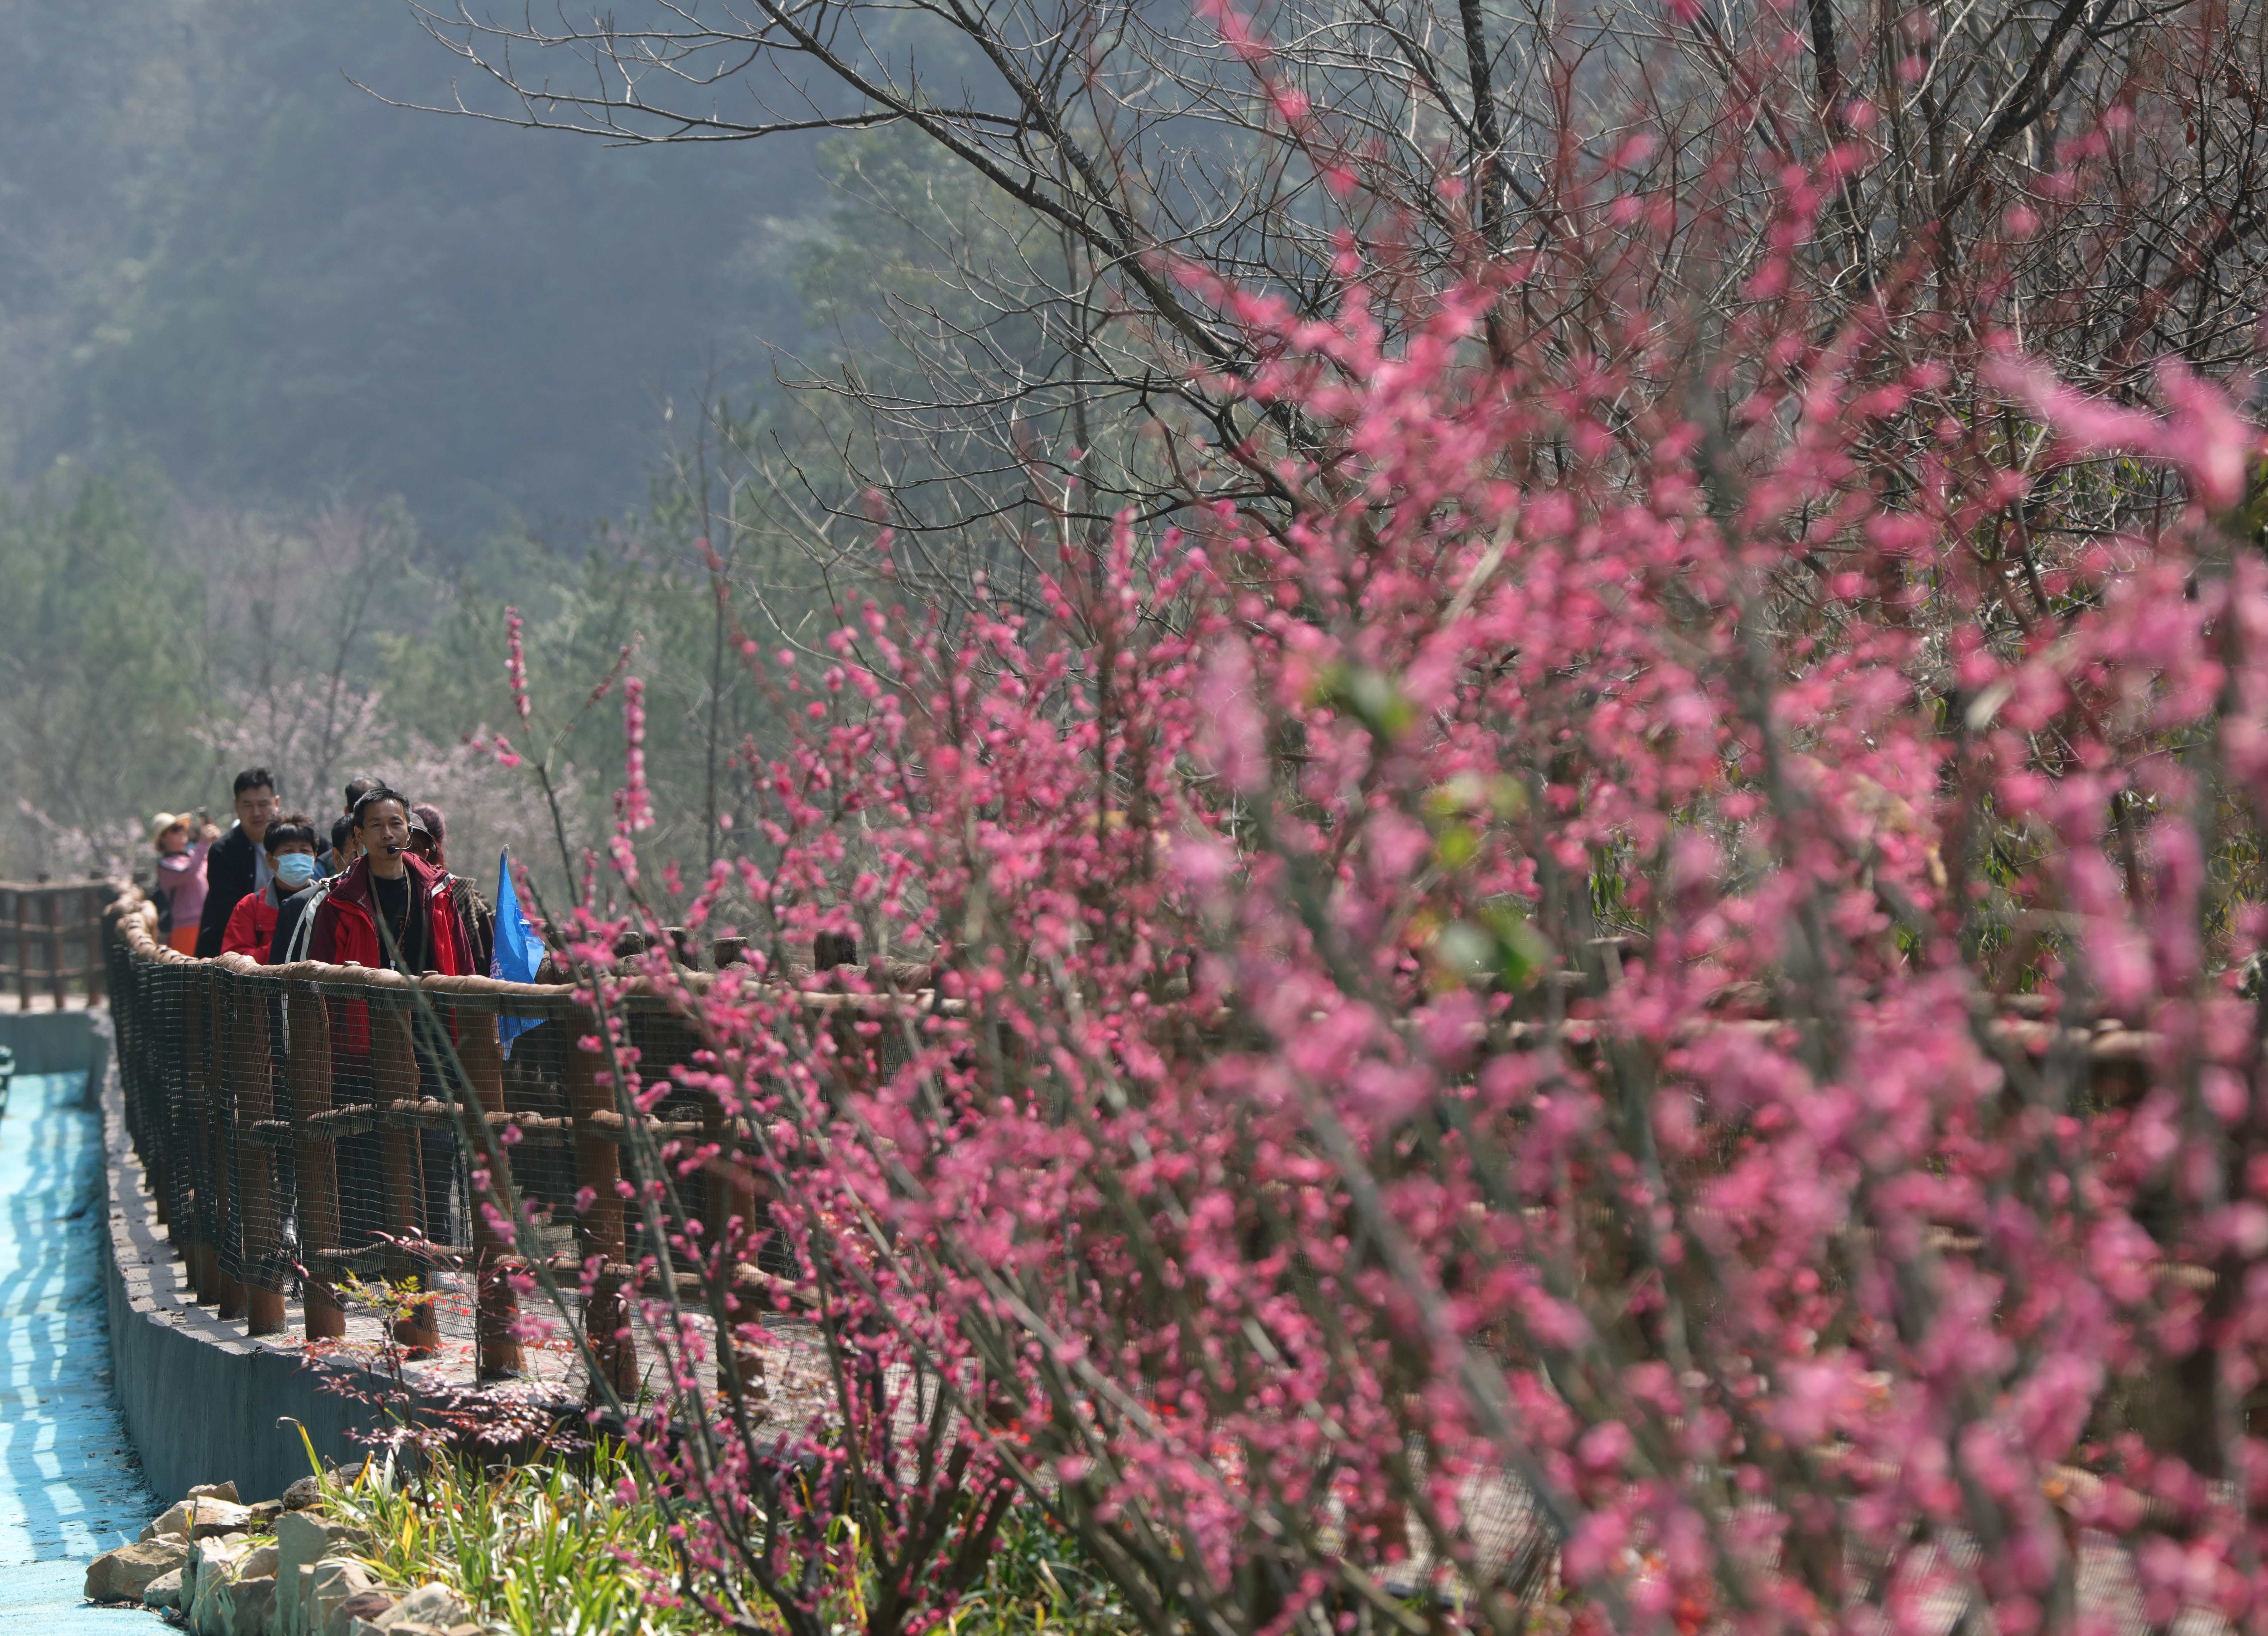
column 219, row 256
column 298, row 391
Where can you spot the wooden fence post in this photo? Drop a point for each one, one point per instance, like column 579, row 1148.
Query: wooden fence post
column 497, row 1308
column 220, row 1130
column 309, row 1072
column 189, row 1124
column 599, row 1167
column 23, row 923
column 256, row 1106
column 51, row 911
column 97, row 950
column 394, row 1076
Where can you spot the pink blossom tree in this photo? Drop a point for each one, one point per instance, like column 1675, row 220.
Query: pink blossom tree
column 1633, row 1001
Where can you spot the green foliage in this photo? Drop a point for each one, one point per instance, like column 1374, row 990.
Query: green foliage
column 538, row 1549
column 100, row 648
column 555, row 1547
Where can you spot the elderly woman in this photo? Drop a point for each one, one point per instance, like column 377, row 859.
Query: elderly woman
column 181, row 882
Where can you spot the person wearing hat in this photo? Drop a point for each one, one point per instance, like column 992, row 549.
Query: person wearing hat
column 180, row 884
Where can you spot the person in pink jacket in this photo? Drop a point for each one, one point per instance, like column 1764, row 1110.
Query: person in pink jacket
column 181, row 876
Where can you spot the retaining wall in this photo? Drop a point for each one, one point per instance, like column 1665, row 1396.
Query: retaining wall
column 202, row 1403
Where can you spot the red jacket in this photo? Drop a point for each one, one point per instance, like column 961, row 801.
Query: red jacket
column 251, row 926
column 346, row 930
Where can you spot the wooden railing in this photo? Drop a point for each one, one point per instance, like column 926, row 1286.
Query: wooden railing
column 51, row 938
column 295, row 1130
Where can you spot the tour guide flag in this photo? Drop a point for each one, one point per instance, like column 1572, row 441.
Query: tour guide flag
column 519, row 951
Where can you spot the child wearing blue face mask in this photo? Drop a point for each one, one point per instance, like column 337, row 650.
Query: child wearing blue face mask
column 290, row 846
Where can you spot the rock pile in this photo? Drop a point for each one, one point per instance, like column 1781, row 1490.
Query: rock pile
column 279, row 1568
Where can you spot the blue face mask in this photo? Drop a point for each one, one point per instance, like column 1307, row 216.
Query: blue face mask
column 295, row 870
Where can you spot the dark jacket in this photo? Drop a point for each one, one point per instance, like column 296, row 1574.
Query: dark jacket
column 287, row 921
column 231, row 868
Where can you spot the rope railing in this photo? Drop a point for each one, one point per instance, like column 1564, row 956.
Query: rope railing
column 300, row 1136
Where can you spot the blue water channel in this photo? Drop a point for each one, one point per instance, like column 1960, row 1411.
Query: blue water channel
column 69, row 1485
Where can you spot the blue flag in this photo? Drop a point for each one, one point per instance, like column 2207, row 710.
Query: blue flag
column 519, row 950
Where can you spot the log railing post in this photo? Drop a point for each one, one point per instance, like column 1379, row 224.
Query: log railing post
column 220, row 1126
column 254, row 1106
column 191, row 1144
column 394, row 1076
column 310, row 1076
column 497, row 1308
column 51, row 913
column 599, row 1167
column 23, row 923
column 98, row 952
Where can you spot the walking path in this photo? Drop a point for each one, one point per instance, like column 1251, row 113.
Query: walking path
column 69, row 1486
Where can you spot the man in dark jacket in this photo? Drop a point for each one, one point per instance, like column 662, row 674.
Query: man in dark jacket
column 237, row 866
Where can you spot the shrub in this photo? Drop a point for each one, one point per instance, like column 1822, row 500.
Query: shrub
column 1620, row 975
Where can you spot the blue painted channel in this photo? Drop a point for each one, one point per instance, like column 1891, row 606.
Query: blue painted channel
column 69, row 1485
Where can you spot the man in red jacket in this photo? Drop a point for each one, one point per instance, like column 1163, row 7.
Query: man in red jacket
column 390, row 909
column 290, row 846
column 421, row 933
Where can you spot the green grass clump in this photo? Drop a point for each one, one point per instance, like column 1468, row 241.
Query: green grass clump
column 551, row 1548
column 535, row 1549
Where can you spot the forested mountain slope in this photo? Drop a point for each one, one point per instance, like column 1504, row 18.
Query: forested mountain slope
column 220, row 254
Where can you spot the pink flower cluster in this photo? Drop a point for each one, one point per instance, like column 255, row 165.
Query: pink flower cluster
column 1620, row 1000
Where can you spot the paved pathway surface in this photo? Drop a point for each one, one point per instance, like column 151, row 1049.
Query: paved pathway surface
column 69, row 1485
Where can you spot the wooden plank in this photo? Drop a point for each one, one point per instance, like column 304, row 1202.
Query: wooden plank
column 51, row 914
column 219, row 1138
column 308, row 1072
column 255, row 1101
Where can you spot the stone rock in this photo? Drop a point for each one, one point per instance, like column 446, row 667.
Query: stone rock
column 252, row 1606
column 214, row 1491
column 194, row 1519
column 206, row 1596
column 305, row 1493
column 210, row 1559
column 258, row 1563
column 165, row 1591
column 433, row 1604
column 265, row 1512
column 357, row 1609
column 303, row 1538
column 323, row 1586
column 123, row 1574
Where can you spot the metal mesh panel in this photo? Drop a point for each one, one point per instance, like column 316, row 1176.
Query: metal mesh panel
column 176, row 1042
column 258, row 1247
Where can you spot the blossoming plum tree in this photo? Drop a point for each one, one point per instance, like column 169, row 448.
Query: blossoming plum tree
column 1630, row 1002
